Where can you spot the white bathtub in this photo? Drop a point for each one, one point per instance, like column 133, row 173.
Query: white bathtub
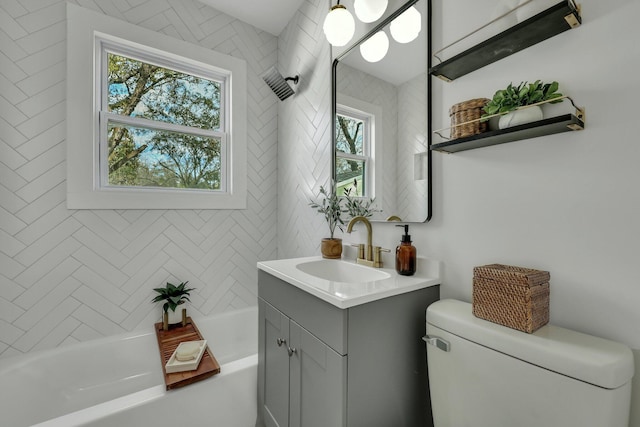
column 118, row 381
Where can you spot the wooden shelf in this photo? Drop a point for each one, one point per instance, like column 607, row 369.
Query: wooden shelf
column 551, row 22
column 550, row 126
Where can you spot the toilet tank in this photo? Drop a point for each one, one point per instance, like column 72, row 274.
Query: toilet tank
column 485, row 375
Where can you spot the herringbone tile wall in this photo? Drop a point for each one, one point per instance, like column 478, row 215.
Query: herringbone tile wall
column 304, row 149
column 365, row 87
column 68, row 276
column 412, row 139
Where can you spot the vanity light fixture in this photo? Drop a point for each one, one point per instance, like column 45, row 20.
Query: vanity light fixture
column 376, row 47
column 406, row 27
column 339, row 25
column 370, row 10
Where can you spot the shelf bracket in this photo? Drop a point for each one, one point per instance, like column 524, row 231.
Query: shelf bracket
column 572, row 18
column 580, row 114
column 441, row 77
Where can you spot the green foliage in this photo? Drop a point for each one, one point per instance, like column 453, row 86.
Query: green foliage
column 173, row 295
column 512, row 97
column 359, row 206
column 331, row 208
column 146, row 157
column 349, row 136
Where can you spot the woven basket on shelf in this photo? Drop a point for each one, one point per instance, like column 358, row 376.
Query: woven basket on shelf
column 464, row 112
column 515, row 297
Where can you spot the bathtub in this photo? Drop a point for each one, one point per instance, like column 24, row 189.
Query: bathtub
column 118, row 381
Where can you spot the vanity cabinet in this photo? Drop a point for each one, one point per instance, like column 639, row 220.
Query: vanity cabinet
column 291, row 354
column 324, row 366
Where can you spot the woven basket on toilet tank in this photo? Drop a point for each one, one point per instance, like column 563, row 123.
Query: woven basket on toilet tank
column 515, row 297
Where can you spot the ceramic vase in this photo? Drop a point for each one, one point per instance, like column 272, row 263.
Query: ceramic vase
column 520, row 117
column 174, row 317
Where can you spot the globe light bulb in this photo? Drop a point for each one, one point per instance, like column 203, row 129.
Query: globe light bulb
column 370, row 10
column 339, row 26
column 406, row 27
column 375, row 48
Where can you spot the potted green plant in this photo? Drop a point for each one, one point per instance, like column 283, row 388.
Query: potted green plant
column 330, row 206
column 508, row 102
column 173, row 296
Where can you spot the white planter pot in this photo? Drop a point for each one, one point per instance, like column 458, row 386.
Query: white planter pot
column 520, row 117
column 175, row 316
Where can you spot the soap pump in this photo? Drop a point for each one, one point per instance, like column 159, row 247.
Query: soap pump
column 405, row 254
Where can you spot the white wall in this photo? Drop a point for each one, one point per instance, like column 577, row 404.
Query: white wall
column 68, row 276
column 565, row 203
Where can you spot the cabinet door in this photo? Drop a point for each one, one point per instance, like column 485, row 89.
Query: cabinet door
column 318, row 382
column 275, row 375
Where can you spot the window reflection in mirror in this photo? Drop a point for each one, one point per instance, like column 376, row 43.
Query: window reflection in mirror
column 353, row 153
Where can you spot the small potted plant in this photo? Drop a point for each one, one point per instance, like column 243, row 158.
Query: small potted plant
column 173, row 296
column 330, row 206
column 508, row 102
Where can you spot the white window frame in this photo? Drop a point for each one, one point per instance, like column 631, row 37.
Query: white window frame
column 371, row 114
column 88, row 33
column 106, row 46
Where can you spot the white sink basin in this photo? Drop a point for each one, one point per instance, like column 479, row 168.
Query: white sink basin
column 344, row 283
column 341, row 271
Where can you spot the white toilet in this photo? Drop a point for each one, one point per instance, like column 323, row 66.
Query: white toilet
column 485, row 375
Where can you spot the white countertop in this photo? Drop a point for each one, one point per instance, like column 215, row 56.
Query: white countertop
column 349, row 294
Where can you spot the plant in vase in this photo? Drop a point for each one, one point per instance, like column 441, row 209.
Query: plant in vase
column 173, row 296
column 330, row 206
column 507, row 102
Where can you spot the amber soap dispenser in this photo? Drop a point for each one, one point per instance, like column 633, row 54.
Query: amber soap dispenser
column 405, row 254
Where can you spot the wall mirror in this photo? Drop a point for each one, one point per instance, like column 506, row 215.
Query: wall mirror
column 382, row 122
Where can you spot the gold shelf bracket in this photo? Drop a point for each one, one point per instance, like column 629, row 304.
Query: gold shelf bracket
column 571, row 18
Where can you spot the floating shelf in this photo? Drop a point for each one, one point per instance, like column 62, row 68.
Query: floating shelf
column 550, row 126
column 546, row 24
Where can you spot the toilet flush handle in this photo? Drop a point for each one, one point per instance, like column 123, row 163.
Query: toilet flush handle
column 437, row 342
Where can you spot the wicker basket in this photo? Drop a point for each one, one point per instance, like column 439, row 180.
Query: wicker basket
column 464, row 112
column 515, row 297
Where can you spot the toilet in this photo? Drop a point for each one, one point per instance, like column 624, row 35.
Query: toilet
column 486, row 375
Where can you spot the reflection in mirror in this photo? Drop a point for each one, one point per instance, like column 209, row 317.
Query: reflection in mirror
column 382, row 157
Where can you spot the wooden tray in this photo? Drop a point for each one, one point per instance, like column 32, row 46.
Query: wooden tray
column 168, row 342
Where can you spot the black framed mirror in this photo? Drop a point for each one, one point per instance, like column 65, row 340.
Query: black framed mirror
column 381, row 137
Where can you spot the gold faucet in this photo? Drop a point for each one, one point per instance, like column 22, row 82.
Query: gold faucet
column 369, row 234
column 373, row 257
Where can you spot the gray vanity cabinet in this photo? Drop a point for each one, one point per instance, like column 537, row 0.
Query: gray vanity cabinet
column 304, row 383
column 323, row 366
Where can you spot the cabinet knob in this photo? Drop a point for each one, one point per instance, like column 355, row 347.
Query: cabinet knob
column 291, row 351
column 281, row 341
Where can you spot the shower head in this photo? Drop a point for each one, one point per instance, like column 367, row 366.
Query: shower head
column 278, row 84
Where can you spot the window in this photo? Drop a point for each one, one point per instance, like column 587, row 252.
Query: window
column 153, row 122
column 358, row 148
column 160, row 127
column 353, row 142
